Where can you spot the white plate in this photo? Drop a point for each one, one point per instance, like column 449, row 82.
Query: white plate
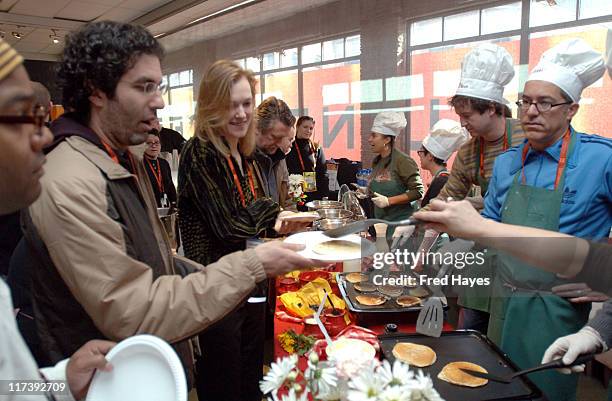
column 312, row 238
column 145, row 368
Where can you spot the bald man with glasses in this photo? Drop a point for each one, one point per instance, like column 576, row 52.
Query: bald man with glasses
column 559, row 179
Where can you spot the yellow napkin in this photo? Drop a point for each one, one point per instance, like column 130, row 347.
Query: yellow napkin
column 298, row 302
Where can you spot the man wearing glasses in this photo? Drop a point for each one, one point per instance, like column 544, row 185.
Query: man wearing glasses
column 159, row 172
column 559, row 180
column 22, row 138
column 103, row 264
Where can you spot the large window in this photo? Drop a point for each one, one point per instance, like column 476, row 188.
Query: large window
column 320, row 79
column 179, row 109
column 439, row 43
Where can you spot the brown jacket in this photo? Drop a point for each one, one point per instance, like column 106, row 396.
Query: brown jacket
column 104, row 265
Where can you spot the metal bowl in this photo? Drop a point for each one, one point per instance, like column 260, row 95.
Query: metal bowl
column 328, row 224
column 324, row 204
column 335, row 213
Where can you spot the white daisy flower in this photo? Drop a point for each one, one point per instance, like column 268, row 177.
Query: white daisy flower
column 366, row 385
column 292, row 396
column 422, row 388
column 323, row 378
column 395, row 393
column 296, row 179
column 278, row 373
column 398, row 375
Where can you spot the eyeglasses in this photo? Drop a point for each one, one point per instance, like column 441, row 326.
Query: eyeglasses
column 149, row 88
column 421, row 152
column 38, row 117
column 542, row 107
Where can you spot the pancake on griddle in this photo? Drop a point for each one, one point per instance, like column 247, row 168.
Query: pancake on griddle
column 419, row 292
column 407, row 301
column 371, row 300
column 364, row 286
column 390, row 290
column 452, row 373
column 356, row 277
column 414, row 354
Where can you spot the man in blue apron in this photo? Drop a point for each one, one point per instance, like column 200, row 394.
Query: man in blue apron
column 559, row 180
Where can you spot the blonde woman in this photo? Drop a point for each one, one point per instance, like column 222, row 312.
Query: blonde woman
column 219, row 210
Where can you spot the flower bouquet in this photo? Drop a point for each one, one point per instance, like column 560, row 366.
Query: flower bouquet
column 296, row 189
column 345, row 381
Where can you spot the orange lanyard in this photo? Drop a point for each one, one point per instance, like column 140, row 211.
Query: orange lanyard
column 297, row 149
column 562, row 158
column 482, row 153
column 113, row 156
column 237, row 181
column 157, row 174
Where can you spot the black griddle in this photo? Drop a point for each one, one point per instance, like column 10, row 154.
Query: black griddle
column 468, row 346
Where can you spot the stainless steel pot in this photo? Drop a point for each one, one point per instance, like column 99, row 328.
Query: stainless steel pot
column 323, row 204
column 328, row 224
column 335, row 214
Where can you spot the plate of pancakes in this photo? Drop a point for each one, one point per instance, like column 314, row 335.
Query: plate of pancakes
column 321, row 247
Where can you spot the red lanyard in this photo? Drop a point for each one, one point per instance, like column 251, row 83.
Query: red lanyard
column 237, row 181
column 562, row 158
column 113, row 156
column 482, row 154
column 157, row 174
column 297, row 149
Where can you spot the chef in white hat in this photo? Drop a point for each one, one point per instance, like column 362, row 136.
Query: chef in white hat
column 559, row 180
column 445, row 138
column 395, row 180
column 482, row 110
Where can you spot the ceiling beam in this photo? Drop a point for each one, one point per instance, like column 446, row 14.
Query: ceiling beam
column 39, row 56
column 208, row 18
column 166, row 11
column 39, row 22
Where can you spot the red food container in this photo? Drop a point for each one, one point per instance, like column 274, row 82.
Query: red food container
column 308, row 276
column 288, row 284
column 311, row 328
column 334, row 320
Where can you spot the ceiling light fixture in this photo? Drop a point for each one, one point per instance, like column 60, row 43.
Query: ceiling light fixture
column 16, row 35
column 54, row 38
column 226, row 9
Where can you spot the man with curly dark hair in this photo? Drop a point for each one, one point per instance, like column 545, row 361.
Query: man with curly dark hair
column 103, row 264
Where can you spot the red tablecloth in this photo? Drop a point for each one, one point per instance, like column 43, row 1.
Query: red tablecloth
column 408, row 326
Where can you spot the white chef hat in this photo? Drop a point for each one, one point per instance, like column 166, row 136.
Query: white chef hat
column 572, row 65
column 389, row 123
column 446, row 136
column 485, row 71
column 609, row 52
